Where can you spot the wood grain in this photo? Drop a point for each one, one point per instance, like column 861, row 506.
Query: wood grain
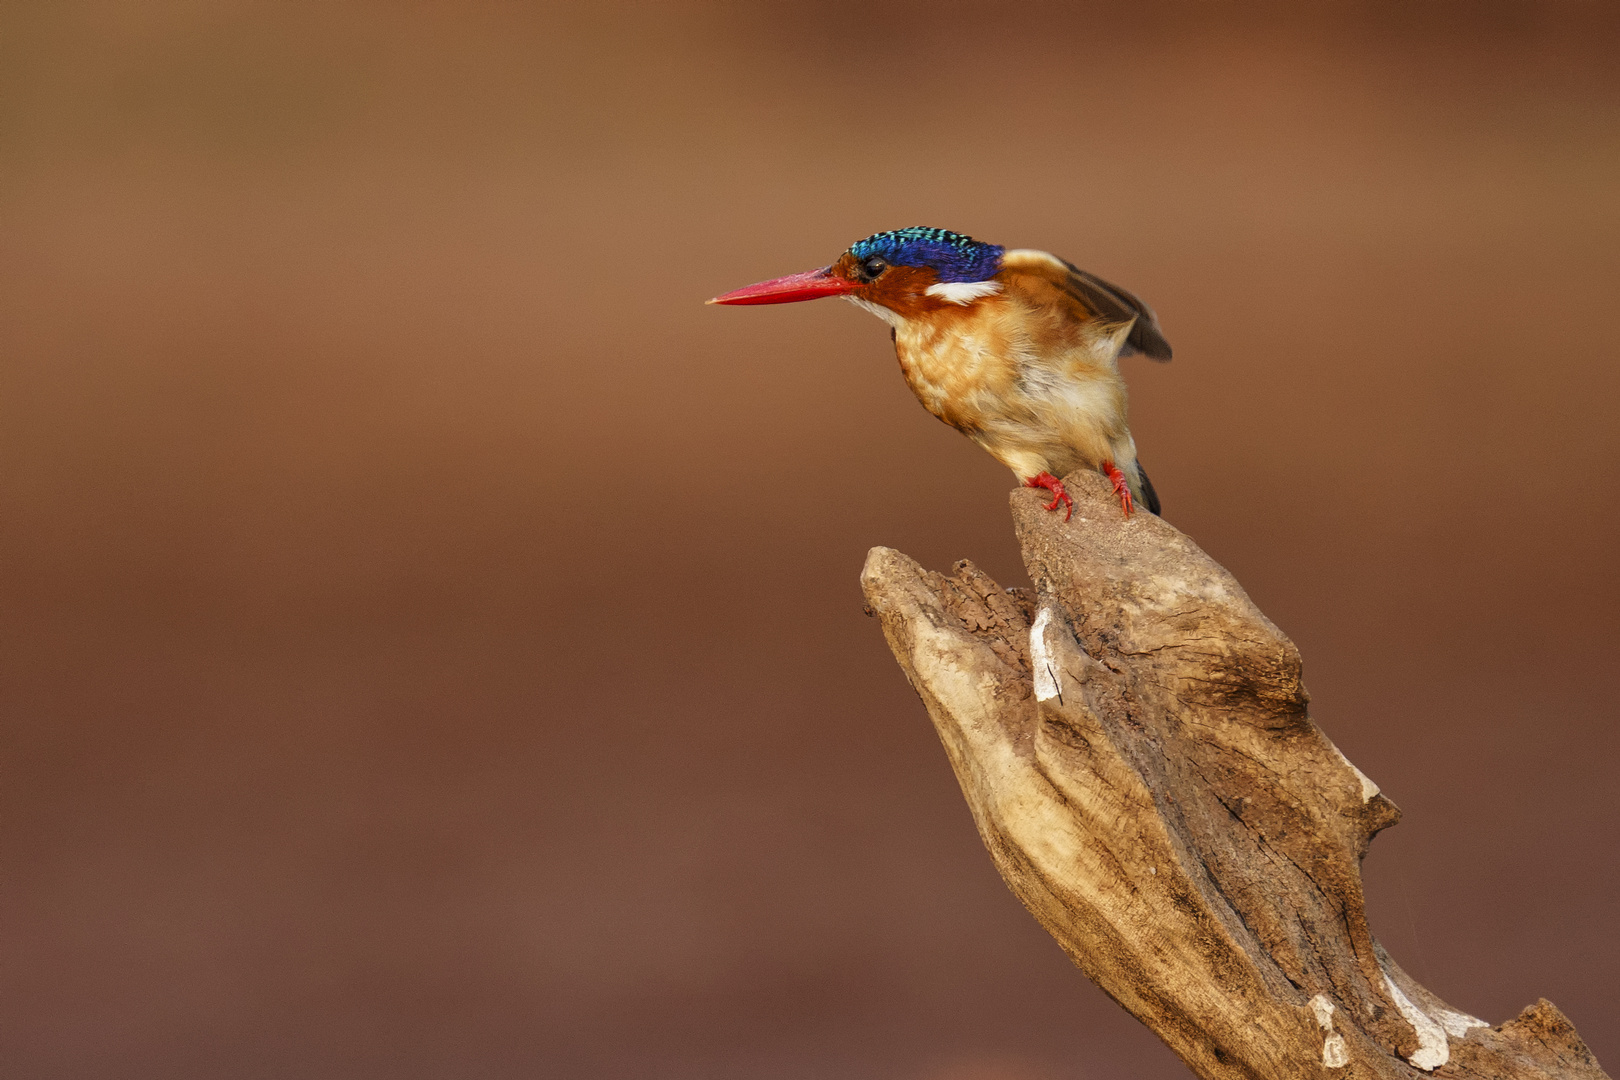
column 1134, row 742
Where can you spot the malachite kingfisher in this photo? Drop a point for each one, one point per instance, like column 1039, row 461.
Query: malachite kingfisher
column 1016, row 349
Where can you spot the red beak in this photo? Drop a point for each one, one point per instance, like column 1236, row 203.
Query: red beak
column 811, row 285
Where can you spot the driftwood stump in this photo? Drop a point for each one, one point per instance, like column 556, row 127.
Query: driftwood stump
column 1133, row 740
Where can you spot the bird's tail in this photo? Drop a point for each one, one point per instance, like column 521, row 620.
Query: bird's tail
column 1150, row 498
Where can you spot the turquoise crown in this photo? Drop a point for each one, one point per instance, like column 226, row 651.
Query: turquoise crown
column 953, row 256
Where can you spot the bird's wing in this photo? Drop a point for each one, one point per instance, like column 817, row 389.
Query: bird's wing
column 1099, row 298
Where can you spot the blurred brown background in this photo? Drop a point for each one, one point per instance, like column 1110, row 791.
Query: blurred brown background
column 432, row 645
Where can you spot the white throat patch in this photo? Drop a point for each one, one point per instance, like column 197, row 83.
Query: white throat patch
column 963, row 292
column 890, row 317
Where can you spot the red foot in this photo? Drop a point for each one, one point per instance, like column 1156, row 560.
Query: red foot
column 1055, row 486
column 1122, row 488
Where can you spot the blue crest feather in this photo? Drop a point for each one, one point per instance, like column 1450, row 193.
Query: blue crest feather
column 953, row 257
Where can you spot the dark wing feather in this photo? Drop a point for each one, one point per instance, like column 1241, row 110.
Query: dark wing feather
column 1115, row 304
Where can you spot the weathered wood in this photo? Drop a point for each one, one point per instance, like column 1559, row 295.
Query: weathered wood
column 1134, row 744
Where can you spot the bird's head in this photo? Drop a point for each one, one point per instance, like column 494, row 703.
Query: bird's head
column 896, row 275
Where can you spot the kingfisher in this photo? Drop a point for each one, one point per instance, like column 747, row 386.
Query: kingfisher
column 1016, row 349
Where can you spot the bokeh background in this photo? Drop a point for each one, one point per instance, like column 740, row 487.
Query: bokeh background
column 431, row 637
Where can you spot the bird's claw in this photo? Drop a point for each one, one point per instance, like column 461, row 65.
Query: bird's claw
column 1122, row 487
column 1055, row 486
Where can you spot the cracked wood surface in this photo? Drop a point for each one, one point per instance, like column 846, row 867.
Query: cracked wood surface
column 1133, row 741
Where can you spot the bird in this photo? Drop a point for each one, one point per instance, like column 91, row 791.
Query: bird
column 1015, row 348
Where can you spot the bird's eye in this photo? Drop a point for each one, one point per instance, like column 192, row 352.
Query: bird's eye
column 874, row 266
